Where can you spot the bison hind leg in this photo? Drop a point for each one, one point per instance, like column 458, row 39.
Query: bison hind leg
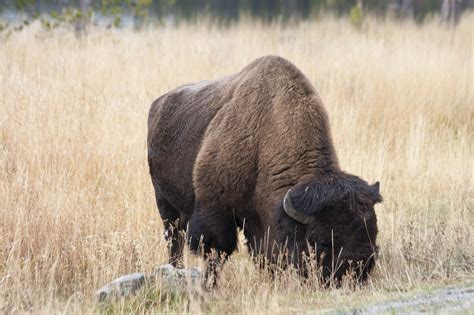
column 174, row 229
column 213, row 236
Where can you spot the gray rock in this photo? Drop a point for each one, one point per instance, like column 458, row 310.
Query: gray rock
column 166, row 277
column 122, row 287
column 175, row 279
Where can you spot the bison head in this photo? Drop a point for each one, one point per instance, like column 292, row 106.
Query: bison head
column 337, row 222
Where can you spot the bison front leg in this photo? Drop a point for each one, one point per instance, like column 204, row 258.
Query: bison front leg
column 212, row 235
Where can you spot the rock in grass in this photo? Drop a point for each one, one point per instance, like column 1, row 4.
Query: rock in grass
column 166, row 277
column 122, row 287
column 175, row 279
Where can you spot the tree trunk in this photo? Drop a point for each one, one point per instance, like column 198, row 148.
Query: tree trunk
column 81, row 23
column 407, row 9
column 450, row 11
column 401, row 9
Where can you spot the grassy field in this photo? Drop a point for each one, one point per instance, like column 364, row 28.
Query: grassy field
column 76, row 202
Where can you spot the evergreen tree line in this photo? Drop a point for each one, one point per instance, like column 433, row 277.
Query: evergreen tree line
column 229, row 10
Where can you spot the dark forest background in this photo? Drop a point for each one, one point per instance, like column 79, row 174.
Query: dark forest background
column 140, row 12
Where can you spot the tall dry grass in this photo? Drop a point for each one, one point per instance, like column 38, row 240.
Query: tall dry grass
column 76, row 202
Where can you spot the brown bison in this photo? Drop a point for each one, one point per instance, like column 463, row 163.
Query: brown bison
column 253, row 151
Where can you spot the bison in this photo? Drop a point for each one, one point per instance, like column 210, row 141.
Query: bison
column 253, row 151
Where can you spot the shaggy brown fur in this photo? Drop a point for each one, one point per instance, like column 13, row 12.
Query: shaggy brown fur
column 222, row 155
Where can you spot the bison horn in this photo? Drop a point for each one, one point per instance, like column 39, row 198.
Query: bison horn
column 293, row 213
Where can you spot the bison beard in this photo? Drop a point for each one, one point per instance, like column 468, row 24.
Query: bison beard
column 253, row 151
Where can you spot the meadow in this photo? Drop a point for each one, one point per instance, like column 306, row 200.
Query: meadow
column 77, row 206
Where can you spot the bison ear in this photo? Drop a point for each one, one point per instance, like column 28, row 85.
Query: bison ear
column 375, row 192
column 376, row 187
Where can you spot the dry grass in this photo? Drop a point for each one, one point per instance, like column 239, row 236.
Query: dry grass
column 76, row 202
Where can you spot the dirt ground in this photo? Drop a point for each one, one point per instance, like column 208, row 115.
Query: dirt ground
column 448, row 300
